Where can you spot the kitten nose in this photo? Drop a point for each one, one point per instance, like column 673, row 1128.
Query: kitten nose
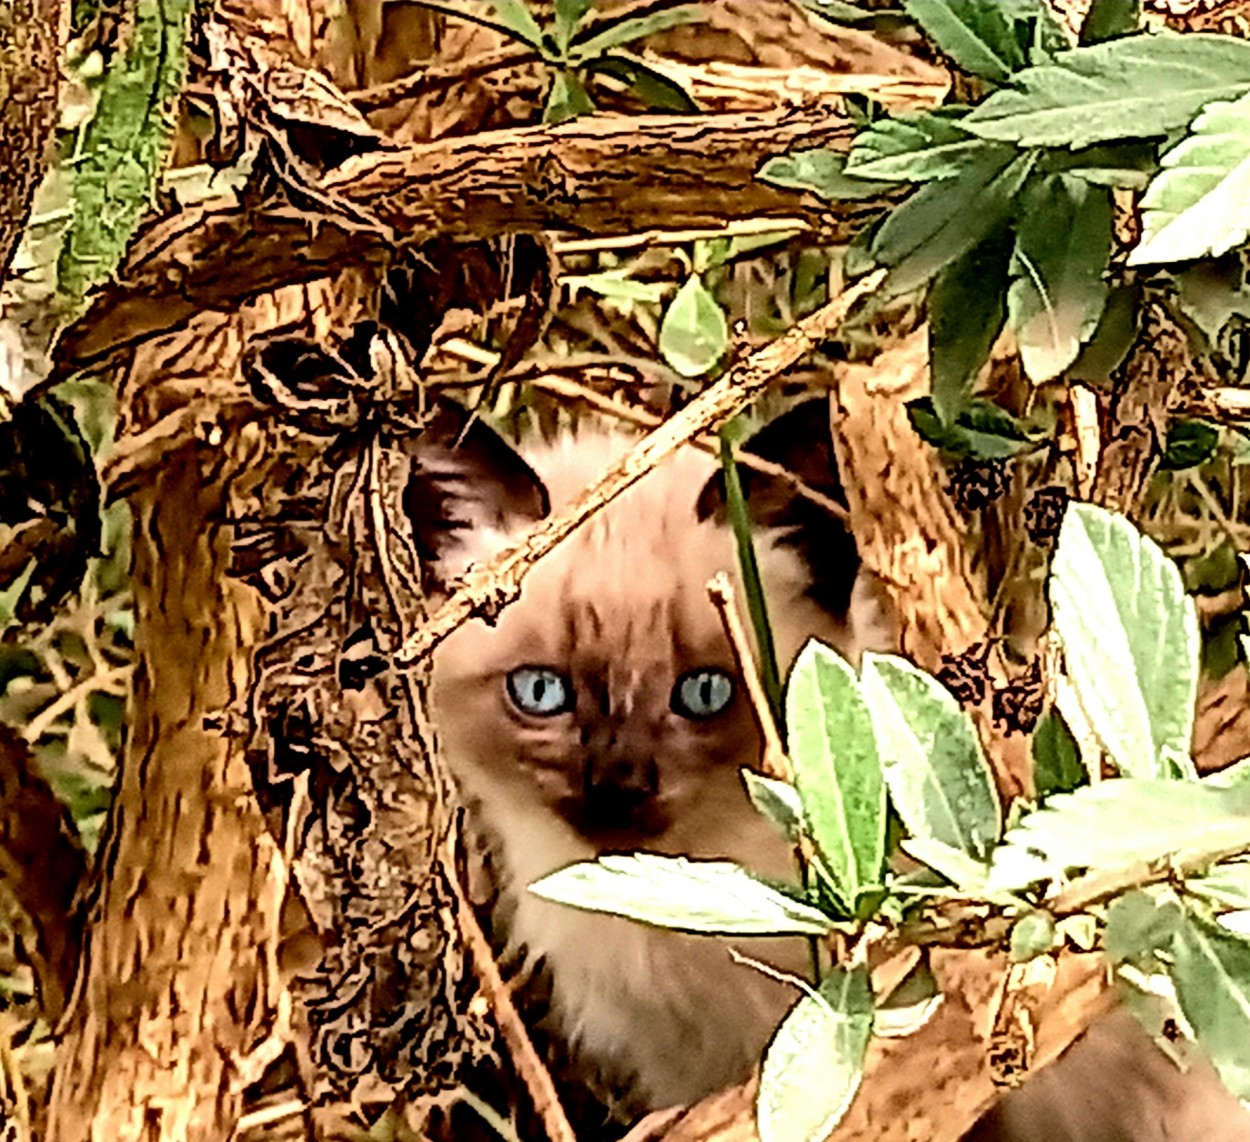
column 628, row 779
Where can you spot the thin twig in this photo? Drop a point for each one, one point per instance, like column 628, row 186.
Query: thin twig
column 775, row 763
column 486, row 590
column 533, row 1073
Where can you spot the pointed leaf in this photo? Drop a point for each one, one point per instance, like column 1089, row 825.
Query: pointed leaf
column 1198, row 205
column 967, row 307
column 1107, row 19
column 653, row 87
column 815, row 1062
column 921, row 147
column 1116, row 823
column 515, row 15
column 778, row 801
column 836, row 768
column 694, row 334
column 691, row 895
column 822, row 172
column 1063, row 245
column 944, row 220
column 1136, row 87
column 939, row 780
column 635, row 28
column 567, row 98
column 979, row 38
column 1130, row 640
column 1057, row 766
column 569, row 14
column 1211, row 973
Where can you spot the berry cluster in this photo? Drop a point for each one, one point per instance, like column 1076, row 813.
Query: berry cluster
column 974, row 484
column 1044, row 513
column 1018, row 705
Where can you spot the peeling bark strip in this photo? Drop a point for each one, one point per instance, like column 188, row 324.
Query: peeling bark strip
column 179, row 985
column 28, row 85
column 487, row 589
column 604, row 175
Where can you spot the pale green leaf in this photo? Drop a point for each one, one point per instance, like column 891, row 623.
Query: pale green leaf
column 836, row 768
column 822, row 172
column 691, row 895
column 634, row 28
column 1116, row 823
column 567, row 98
column 939, row 780
column 1140, row 924
column 1057, row 295
column 1130, row 640
column 515, row 15
column 815, row 1062
column 921, row 147
column 694, row 334
column 964, row 872
column 1136, row 87
column 1211, row 973
column 1198, row 205
column 979, row 38
column 616, row 285
column 778, row 801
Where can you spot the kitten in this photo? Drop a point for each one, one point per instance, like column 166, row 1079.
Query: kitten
column 603, row 712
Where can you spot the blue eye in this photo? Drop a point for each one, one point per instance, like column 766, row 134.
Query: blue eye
column 540, row 692
column 702, row 693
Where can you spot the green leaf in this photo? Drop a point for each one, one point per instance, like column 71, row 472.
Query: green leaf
column 966, row 309
column 715, row 897
column 939, row 780
column 1225, row 886
column 567, row 98
column 1189, row 443
column 1140, row 924
column 125, row 144
column 1107, row 19
column 636, row 28
column 1211, row 973
column 954, row 865
column 981, row 429
column 617, row 285
column 1032, row 935
column 944, row 220
column 821, row 172
column 1130, row 640
column 1116, row 823
column 1136, row 87
column 694, row 334
column 1057, row 295
column 836, row 768
column 921, row 147
column 979, row 38
column 778, row 801
column 815, row 1062
column 654, row 88
column 568, row 15
column 515, row 15
column 1057, row 766
column 1198, row 205
column 1112, row 338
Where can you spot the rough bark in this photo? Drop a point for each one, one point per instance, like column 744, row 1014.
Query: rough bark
column 178, row 985
column 29, row 76
column 598, row 175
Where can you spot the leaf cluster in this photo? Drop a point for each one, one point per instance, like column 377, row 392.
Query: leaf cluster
column 1153, row 860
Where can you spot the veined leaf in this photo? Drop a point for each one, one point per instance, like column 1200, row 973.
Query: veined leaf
column 822, row 172
column 567, row 98
column 568, row 15
column 921, row 147
column 691, row 895
column 1211, row 973
column 516, row 16
column 836, row 768
column 944, row 220
column 1057, row 295
column 967, row 306
column 1137, row 87
column 937, row 774
column 1116, row 823
column 979, row 38
column 778, row 801
column 622, row 32
column 694, row 334
column 1130, row 640
column 1198, row 205
column 125, row 144
column 815, row 1062
column 980, row 428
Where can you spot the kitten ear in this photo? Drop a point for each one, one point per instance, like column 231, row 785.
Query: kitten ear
column 801, row 442
column 465, row 477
